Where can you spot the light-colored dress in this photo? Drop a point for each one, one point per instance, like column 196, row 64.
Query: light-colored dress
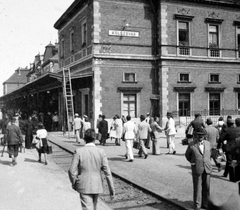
column 119, row 128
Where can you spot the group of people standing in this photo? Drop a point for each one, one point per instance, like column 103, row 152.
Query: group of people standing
column 80, row 125
column 17, row 129
column 207, row 139
column 148, row 130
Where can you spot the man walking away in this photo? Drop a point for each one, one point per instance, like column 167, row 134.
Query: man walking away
column 85, row 172
column 213, row 137
column 103, row 130
column 129, row 130
column 143, row 132
column 13, row 138
column 198, row 154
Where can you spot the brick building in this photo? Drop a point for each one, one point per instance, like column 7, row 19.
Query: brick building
column 138, row 56
column 199, row 59
column 108, row 46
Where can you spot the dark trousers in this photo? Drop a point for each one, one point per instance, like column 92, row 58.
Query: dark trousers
column 201, row 190
column 228, row 163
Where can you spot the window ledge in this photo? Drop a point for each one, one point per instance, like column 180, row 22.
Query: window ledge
column 214, row 82
column 133, row 82
column 186, row 82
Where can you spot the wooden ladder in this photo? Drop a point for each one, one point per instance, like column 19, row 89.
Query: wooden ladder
column 68, row 97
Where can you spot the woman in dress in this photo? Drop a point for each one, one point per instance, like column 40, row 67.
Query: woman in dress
column 113, row 130
column 43, row 144
column 119, row 130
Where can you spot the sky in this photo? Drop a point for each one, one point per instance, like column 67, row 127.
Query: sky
column 26, row 27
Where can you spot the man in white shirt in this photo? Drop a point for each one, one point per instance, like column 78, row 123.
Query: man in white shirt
column 77, row 123
column 130, row 131
column 143, row 131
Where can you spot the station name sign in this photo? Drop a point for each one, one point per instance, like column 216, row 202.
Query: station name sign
column 123, row 33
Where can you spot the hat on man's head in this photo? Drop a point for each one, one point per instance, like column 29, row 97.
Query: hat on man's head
column 209, row 121
column 76, row 115
column 201, row 132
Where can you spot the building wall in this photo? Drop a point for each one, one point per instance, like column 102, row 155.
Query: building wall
column 198, row 64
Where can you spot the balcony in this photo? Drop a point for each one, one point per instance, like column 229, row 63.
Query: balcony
column 214, row 50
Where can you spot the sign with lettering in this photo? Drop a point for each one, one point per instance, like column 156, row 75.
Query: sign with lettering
column 123, row 33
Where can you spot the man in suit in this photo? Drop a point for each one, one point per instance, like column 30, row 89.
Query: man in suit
column 198, row 154
column 197, row 124
column 143, row 132
column 13, row 139
column 213, row 137
column 103, row 129
column 130, row 131
column 85, row 172
column 229, row 134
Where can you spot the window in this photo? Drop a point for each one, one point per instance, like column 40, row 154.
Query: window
column 238, row 101
column 238, row 41
column 84, row 33
column 129, row 77
column 184, row 77
column 213, row 40
column 183, row 37
column 129, row 105
column 184, row 104
column 214, row 78
column 238, row 78
column 71, row 40
column 214, row 103
column 62, row 48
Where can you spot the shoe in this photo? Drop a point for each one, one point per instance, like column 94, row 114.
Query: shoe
column 146, row 156
column 224, row 175
column 126, row 156
column 46, row 163
column 39, row 161
column 219, row 168
column 174, row 152
column 130, row 160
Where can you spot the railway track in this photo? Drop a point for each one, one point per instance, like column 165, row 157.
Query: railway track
column 128, row 195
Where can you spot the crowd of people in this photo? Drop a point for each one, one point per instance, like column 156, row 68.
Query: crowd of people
column 19, row 130
column 209, row 141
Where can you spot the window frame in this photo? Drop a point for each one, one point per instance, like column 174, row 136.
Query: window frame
column 71, row 41
column 214, row 82
column 220, row 103
column 214, row 50
column 184, row 50
column 238, row 78
column 238, row 43
column 62, row 47
column 184, row 81
column 129, row 102
column 84, row 33
column 127, row 81
column 187, row 113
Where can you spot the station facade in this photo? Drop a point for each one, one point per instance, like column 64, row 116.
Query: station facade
column 131, row 57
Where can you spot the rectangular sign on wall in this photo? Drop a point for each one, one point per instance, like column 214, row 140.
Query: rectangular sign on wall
column 123, row 33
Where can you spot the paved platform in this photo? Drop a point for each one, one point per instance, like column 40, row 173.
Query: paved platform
column 169, row 176
column 35, row 186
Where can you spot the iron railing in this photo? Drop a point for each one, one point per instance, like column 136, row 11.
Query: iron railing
column 213, row 114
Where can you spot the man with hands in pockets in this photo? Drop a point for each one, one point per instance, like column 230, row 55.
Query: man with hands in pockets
column 198, row 154
column 85, row 172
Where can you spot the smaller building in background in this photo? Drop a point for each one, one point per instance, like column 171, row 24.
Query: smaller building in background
column 18, row 79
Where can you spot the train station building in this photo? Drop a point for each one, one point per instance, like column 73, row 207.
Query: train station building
column 131, row 57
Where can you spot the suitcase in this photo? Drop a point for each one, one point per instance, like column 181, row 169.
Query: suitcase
column 234, row 173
